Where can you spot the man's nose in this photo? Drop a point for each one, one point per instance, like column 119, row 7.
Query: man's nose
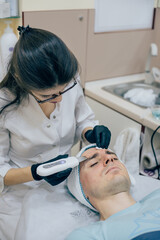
column 107, row 160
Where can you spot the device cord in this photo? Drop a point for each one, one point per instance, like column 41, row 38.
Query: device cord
column 157, row 165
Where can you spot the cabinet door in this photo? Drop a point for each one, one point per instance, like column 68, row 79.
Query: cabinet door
column 115, row 121
column 69, row 25
column 116, row 53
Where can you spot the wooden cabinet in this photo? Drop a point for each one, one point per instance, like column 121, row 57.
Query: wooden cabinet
column 69, row 25
column 101, row 55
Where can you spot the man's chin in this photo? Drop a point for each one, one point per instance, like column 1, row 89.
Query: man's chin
column 118, row 184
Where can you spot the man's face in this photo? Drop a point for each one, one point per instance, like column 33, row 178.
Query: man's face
column 103, row 174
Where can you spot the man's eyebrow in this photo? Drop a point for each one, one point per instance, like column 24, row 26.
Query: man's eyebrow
column 110, row 152
column 90, row 158
column 97, row 154
column 93, row 156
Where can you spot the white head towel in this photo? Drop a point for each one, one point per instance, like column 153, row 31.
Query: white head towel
column 74, row 184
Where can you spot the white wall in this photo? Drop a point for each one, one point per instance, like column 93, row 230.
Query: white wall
column 36, row 5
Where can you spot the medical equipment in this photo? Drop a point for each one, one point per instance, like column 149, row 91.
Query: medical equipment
column 157, row 165
column 59, row 165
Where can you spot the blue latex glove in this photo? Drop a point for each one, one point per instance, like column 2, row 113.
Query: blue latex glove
column 100, row 135
column 55, row 178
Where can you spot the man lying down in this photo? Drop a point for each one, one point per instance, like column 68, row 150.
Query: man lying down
column 102, row 183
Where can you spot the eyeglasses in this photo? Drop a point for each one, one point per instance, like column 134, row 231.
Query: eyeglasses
column 56, row 95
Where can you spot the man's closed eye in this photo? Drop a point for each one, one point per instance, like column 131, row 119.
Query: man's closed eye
column 93, row 164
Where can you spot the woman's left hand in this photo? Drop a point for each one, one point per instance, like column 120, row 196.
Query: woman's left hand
column 53, row 179
column 100, row 135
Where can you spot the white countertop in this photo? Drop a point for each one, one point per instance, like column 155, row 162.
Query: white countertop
column 141, row 115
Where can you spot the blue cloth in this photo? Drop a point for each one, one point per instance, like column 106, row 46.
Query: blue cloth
column 139, row 221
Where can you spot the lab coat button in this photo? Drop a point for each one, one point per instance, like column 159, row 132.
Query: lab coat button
column 48, row 126
column 54, row 117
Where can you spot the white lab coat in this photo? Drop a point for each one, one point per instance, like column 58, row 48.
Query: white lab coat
column 27, row 136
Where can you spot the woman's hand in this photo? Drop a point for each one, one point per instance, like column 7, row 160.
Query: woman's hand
column 53, row 179
column 100, row 135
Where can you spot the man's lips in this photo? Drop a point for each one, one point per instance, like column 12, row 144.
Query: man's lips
column 112, row 168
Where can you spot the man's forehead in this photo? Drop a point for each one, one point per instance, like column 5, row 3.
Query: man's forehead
column 90, row 151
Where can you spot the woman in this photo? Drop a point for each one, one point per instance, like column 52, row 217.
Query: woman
column 43, row 111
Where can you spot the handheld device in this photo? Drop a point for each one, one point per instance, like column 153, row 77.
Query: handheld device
column 47, row 169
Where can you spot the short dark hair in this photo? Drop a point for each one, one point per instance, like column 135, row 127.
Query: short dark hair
column 40, row 60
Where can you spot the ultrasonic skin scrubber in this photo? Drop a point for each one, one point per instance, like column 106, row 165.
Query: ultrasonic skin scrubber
column 59, row 165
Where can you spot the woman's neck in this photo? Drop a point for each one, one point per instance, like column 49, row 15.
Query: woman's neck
column 47, row 108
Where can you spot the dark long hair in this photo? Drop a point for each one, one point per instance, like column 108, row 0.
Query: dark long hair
column 40, row 60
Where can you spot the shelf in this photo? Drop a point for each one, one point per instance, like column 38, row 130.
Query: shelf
column 10, row 17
